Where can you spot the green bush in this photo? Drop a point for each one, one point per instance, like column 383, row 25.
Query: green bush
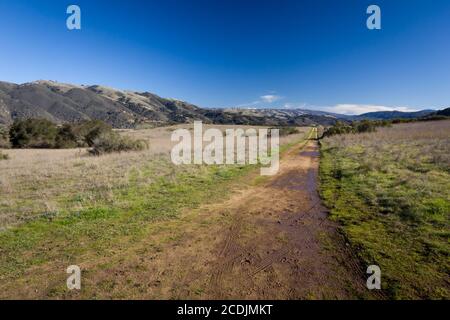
column 41, row 133
column 283, row 131
column 109, row 142
column 33, row 133
column 4, row 138
column 86, row 132
column 355, row 127
column 3, row 156
column 67, row 138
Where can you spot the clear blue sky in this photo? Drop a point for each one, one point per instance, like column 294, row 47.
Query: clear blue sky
column 220, row 53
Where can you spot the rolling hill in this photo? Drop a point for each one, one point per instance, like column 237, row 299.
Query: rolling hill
column 388, row 115
column 61, row 103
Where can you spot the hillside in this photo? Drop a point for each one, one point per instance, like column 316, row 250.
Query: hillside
column 445, row 112
column 389, row 115
column 127, row 109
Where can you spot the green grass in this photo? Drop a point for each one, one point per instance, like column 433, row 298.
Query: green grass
column 74, row 233
column 391, row 196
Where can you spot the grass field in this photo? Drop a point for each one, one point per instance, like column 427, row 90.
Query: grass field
column 63, row 207
column 390, row 191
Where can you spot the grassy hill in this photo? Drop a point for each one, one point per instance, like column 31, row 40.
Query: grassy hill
column 62, row 103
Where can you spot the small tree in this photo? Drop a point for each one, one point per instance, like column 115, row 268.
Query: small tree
column 33, row 133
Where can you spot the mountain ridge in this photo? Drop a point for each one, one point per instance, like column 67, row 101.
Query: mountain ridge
column 62, row 102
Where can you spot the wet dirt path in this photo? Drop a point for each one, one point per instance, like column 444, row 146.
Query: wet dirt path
column 281, row 244
column 271, row 239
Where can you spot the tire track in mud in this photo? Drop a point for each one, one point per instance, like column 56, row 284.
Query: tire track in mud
column 275, row 246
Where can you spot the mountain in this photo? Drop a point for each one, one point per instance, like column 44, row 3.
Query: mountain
column 445, row 112
column 70, row 103
column 62, row 103
column 388, row 115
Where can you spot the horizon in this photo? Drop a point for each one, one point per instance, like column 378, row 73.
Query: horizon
column 305, row 108
column 297, row 55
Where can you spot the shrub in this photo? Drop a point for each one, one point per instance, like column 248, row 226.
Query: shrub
column 4, row 138
column 284, row 131
column 41, row 133
column 3, row 156
column 67, row 138
column 365, row 126
column 33, row 133
column 87, row 131
column 355, row 127
column 109, row 142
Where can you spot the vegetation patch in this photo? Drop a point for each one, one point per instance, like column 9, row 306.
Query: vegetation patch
column 390, row 192
column 42, row 133
column 109, row 142
column 3, row 156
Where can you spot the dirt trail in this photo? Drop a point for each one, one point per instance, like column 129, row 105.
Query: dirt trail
column 271, row 240
column 281, row 244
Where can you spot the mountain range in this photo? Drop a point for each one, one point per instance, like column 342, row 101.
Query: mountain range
column 61, row 103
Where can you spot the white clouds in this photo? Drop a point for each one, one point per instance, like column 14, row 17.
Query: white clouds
column 262, row 101
column 356, row 109
column 343, row 108
column 270, row 98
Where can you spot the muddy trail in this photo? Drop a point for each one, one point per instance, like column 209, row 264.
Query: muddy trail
column 281, row 244
column 271, row 239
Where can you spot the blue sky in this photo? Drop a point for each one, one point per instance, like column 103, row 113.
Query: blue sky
column 248, row 53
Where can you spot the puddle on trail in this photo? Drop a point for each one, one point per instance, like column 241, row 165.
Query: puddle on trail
column 313, row 154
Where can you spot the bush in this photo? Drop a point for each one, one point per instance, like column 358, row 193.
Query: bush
column 33, row 133
column 109, row 142
column 284, row 131
column 41, row 133
column 67, row 138
column 86, row 132
column 4, row 138
column 355, row 127
column 3, row 156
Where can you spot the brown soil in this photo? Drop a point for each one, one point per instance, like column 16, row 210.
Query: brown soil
column 269, row 241
column 282, row 244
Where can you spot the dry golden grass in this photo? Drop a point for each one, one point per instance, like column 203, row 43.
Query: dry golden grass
column 37, row 182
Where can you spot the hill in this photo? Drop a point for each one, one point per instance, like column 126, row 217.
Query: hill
column 445, row 112
column 388, row 115
column 62, row 103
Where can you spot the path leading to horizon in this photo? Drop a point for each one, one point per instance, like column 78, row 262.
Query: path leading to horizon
column 272, row 240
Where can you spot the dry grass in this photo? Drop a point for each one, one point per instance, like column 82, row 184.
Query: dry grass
column 391, row 192
column 62, row 207
column 36, row 182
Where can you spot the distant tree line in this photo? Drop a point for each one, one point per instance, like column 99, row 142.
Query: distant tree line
column 341, row 127
column 42, row 133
